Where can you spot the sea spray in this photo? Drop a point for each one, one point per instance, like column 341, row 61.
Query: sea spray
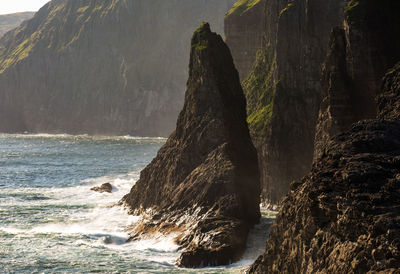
column 51, row 223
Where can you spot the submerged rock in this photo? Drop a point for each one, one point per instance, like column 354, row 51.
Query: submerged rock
column 343, row 217
column 203, row 184
column 107, row 187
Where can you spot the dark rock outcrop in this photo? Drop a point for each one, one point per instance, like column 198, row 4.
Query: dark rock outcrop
column 389, row 99
column 344, row 216
column 106, row 187
column 101, row 67
column 361, row 52
column 244, row 27
column 204, row 182
column 13, row 20
column 283, row 89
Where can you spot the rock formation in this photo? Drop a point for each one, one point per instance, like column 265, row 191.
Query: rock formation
column 106, row 187
column 101, row 67
column 389, row 98
column 244, row 28
column 291, row 112
column 283, row 89
column 204, row 182
column 343, row 217
column 13, row 20
column 361, row 52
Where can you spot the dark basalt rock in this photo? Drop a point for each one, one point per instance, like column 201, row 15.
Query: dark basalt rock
column 244, row 26
column 204, row 180
column 389, row 99
column 361, row 52
column 343, row 217
column 284, row 91
column 106, row 187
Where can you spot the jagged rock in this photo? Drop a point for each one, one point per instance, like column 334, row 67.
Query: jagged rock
column 336, row 113
column 204, row 180
column 244, row 26
column 343, row 217
column 101, row 67
column 360, row 54
column 106, row 187
column 389, row 99
column 283, row 89
column 13, row 20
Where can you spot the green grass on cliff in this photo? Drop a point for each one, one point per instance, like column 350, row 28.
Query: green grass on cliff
column 199, row 40
column 59, row 19
column 242, row 6
column 259, row 87
column 286, row 9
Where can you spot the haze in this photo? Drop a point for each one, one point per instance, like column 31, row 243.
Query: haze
column 12, row 6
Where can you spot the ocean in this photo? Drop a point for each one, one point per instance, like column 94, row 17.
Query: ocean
column 50, row 220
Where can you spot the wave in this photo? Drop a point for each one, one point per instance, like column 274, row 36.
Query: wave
column 83, row 135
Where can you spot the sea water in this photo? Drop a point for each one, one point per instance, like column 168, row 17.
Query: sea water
column 50, row 220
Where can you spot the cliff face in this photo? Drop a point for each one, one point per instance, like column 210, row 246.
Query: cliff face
column 114, row 67
column 343, row 217
column 360, row 53
column 204, row 182
column 13, row 20
column 283, row 89
column 244, row 27
column 389, row 99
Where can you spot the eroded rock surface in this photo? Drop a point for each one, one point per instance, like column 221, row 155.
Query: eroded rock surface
column 244, row 27
column 203, row 184
column 361, row 52
column 283, row 89
column 389, row 99
column 343, row 217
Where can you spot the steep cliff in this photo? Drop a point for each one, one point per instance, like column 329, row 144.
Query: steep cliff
column 360, row 54
column 101, row 67
column 283, row 89
column 204, row 182
column 244, row 27
column 343, row 217
column 13, row 20
column 389, row 99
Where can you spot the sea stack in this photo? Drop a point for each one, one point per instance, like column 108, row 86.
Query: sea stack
column 204, row 182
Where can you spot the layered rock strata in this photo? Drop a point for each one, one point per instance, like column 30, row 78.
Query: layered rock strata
column 361, row 51
column 203, row 184
column 101, row 67
column 283, row 89
column 343, row 217
column 244, row 26
column 389, row 98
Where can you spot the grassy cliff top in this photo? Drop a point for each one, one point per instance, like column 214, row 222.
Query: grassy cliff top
column 242, row 6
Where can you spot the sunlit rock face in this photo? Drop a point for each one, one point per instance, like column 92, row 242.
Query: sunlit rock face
column 343, row 217
column 204, row 183
column 101, row 67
